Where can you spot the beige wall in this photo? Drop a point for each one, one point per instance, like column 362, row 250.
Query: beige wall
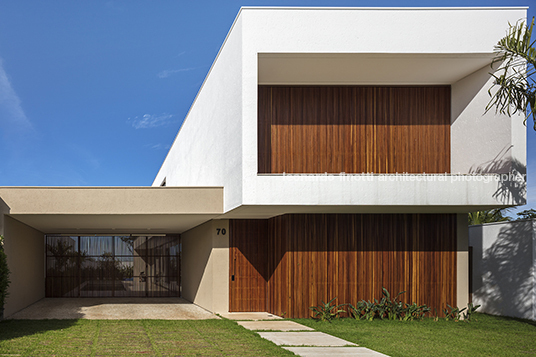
column 113, row 200
column 462, row 261
column 24, row 247
column 112, row 209
column 205, row 266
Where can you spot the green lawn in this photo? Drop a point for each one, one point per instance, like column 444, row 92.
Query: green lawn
column 487, row 336
column 131, row 338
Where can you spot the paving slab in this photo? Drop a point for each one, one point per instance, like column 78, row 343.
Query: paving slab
column 114, row 309
column 334, row 351
column 274, row 325
column 304, row 339
column 249, row 316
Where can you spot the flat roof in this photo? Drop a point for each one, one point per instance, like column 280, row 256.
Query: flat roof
column 382, row 8
column 111, row 209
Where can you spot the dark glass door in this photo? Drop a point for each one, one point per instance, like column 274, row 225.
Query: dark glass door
column 113, row 266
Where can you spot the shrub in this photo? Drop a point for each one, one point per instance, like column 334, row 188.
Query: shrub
column 4, row 276
column 453, row 313
column 390, row 308
column 414, row 311
column 470, row 310
column 327, row 311
column 387, row 307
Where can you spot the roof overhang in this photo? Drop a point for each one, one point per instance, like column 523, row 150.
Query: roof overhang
column 368, row 68
column 111, row 209
column 269, row 211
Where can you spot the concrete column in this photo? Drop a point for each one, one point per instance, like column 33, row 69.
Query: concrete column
column 205, row 265
column 462, row 261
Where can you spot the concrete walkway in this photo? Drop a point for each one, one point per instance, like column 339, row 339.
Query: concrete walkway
column 114, row 309
column 303, row 340
column 249, row 316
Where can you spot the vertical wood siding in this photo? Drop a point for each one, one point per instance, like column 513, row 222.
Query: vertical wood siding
column 353, row 129
column 248, row 272
column 288, row 263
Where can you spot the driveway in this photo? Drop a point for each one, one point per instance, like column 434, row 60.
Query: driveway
column 113, row 309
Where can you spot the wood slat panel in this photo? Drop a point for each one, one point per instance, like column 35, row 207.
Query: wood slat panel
column 353, row 129
column 248, row 265
column 288, row 263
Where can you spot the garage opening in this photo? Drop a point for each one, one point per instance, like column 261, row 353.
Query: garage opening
column 113, row 266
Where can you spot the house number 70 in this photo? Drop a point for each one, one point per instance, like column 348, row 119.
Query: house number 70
column 221, row 230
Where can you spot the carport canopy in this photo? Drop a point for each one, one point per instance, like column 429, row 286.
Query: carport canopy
column 111, row 210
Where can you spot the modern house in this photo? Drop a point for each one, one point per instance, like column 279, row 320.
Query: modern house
column 330, row 152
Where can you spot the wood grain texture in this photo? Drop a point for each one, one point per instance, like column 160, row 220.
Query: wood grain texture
column 288, row 263
column 353, row 129
column 247, row 277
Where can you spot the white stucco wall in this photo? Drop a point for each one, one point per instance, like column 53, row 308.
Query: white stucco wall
column 208, row 148
column 425, row 31
column 217, row 144
column 504, row 268
column 483, row 143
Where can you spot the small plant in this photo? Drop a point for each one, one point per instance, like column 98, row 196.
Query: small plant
column 415, row 311
column 4, row 277
column 327, row 311
column 453, row 313
column 393, row 307
column 389, row 308
column 369, row 310
column 471, row 309
column 357, row 311
column 436, row 315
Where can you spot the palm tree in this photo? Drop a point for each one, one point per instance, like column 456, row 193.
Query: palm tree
column 517, row 58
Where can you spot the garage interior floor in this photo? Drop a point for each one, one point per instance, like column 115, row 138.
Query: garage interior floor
column 113, row 309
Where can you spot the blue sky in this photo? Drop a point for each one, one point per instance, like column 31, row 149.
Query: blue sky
column 92, row 93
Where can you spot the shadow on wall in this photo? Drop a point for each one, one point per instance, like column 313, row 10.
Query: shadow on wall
column 503, row 269
column 294, row 261
column 467, row 89
column 512, row 186
column 4, row 209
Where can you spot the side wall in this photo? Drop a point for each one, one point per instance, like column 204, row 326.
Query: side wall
column 483, row 143
column 504, row 268
column 205, row 264
column 208, row 148
column 24, row 247
column 288, row 263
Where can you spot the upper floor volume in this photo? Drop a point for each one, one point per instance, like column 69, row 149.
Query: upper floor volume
column 349, row 107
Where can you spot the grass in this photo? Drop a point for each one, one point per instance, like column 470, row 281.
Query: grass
column 131, row 338
column 486, row 336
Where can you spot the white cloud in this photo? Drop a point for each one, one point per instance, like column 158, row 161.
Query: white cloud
column 159, row 147
column 151, row 120
column 11, row 112
column 168, row 72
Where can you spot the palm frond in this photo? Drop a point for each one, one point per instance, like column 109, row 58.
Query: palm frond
column 514, row 88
